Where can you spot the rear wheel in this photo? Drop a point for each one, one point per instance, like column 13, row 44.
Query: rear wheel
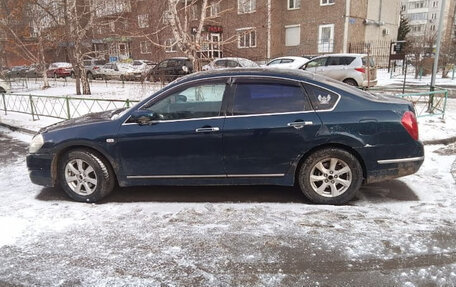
column 330, row 176
column 351, row 82
column 89, row 76
column 85, row 176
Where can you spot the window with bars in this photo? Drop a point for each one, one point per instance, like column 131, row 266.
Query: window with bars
column 246, row 38
column 246, row 6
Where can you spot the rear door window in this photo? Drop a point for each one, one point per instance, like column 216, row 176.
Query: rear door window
column 262, row 98
column 317, row 63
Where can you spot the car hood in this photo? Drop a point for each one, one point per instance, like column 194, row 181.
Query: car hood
column 82, row 121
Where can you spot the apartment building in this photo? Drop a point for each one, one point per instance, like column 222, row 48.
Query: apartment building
column 424, row 17
column 255, row 29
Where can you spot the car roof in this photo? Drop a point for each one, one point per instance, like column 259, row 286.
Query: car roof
column 342, row 55
column 290, row 57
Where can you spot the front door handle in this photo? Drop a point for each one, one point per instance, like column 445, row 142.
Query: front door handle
column 300, row 124
column 207, row 130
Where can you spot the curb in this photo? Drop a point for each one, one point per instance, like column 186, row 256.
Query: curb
column 440, row 141
column 18, row 129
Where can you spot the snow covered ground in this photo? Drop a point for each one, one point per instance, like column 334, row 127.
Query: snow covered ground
column 396, row 233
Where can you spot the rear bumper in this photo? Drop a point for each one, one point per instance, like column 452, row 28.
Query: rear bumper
column 369, row 84
column 39, row 167
column 394, row 168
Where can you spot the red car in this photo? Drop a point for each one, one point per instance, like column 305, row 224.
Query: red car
column 60, row 70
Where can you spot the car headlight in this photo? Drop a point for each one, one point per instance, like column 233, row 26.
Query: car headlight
column 36, row 144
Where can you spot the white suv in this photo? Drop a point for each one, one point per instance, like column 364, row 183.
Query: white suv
column 352, row 69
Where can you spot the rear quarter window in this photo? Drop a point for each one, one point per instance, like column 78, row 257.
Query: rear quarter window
column 322, row 99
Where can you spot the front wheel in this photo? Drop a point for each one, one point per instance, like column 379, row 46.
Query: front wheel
column 85, row 176
column 330, row 176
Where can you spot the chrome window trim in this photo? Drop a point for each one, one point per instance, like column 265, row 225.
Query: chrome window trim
column 400, row 160
column 243, row 116
column 204, row 176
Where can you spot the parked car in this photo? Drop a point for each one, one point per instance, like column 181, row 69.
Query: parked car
column 117, row 71
column 352, row 69
column 60, row 70
column 33, row 71
column 142, row 68
column 238, row 126
column 287, row 62
column 170, row 69
column 5, row 86
column 229, row 62
column 92, row 67
column 16, row 71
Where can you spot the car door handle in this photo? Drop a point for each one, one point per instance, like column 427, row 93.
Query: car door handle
column 299, row 125
column 207, row 130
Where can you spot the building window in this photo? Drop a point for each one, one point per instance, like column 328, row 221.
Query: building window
column 145, row 47
column 435, row 4
column 195, row 12
column 143, row 21
column 112, row 26
column 432, row 27
column 213, row 10
column 326, row 38
column 246, row 38
column 246, row 6
column 292, row 35
column 294, row 4
column 170, row 46
column 326, row 2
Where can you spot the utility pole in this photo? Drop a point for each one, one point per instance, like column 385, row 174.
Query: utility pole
column 437, row 52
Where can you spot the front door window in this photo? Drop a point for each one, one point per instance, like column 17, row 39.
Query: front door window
column 194, row 102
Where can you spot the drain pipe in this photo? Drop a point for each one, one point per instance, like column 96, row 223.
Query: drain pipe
column 347, row 19
column 268, row 52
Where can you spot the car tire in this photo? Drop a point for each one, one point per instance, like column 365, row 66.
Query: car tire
column 72, row 75
column 351, row 82
column 55, row 75
column 330, row 176
column 89, row 76
column 85, row 176
column 2, row 90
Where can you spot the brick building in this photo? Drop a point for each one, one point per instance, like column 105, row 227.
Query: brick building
column 255, row 29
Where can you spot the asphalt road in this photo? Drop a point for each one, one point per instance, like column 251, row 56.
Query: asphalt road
column 217, row 236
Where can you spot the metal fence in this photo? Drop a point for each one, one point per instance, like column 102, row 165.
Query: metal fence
column 426, row 103
column 57, row 107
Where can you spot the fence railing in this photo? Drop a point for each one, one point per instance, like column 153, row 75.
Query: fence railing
column 426, row 103
column 58, row 107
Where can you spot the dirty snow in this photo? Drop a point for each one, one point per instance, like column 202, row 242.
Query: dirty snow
column 398, row 233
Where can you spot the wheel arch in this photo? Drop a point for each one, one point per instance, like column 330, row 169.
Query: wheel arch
column 97, row 151
column 351, row 79
column 326, row 146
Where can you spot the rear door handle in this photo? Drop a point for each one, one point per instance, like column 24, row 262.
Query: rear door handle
column 207, row 130
column 300, row 124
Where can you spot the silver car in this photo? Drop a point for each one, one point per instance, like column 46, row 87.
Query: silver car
column 353, row 69
column 230, row 62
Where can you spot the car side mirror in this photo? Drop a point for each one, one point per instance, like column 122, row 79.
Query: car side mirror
column 143, row 117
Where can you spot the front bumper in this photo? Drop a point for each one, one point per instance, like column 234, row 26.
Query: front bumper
column 40, row 169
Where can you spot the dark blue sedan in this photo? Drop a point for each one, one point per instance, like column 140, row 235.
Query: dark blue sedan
column 235, row 127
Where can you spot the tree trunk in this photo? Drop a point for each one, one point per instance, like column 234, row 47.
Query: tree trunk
column 42, row 62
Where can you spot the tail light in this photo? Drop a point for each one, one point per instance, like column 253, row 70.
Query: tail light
column 96, row 68
column 361, row 70
column 410, row 124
